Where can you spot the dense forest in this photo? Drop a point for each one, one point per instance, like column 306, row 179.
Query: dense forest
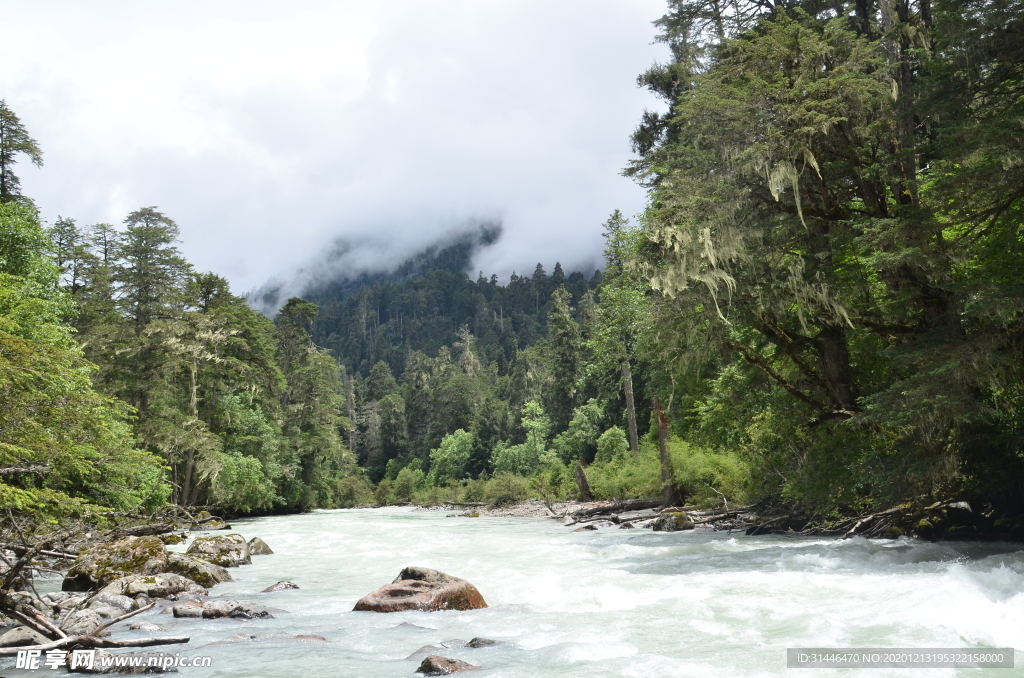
column 819, row 308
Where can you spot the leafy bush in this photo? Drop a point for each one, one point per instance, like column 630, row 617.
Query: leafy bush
column 449, row 461
column 409, row 480
column 382, row 495
column 579, row 438
column 611, row 444
column 706, row 477
column 623, row 477
column 352, row 491
column 507, row 488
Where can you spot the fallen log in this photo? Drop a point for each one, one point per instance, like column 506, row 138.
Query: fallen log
column 867, row 519
column 628, row 505
column 148, row 530
column 762, row 527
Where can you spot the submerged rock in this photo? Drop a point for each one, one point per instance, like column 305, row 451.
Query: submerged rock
column 420, row 588
column 483, row 642
column 104, row 563
column 673, row 521
column 585, row 528
column 228, row 550
column 436, row 665
column 258, row 547
column 145, row 626
column 21, row 636
column 280, row 586
column 199, row 571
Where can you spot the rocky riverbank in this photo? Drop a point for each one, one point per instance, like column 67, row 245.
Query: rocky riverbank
column 938, row 521
column 110, row 582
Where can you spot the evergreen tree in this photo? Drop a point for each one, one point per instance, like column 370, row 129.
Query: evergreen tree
column 14, row 140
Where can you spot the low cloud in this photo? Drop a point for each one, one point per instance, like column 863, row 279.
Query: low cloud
column 271, row 135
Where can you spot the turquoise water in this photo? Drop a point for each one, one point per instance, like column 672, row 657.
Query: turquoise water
column 607, row 603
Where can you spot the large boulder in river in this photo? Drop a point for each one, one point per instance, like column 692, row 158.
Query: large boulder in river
column 151, row 585
column 419, row 588
column 102, row 564
column 200, row 571
column 673, row 521
column 258, row 547
column 436, row 665
column 226, row 550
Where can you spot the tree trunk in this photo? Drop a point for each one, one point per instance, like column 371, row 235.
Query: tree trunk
column 581, row 482
column 627, row 387
column 193, row 406
column 668, row 487
column 834, row 366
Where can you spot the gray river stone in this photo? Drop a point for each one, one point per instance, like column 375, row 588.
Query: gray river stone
column 21, row 636
column 258, row 547
column 81, row 623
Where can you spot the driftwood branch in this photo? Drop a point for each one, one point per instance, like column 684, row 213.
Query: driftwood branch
column 33, row 622
column 123, row 617
column 867, row 519
column 629, row 505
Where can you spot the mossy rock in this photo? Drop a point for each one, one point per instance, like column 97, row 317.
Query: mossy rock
column 892, row 532
column 200, row 571
column 228, row 550
column 103, row 563
column 925, row 529
column 673, row 521
column 171, row 539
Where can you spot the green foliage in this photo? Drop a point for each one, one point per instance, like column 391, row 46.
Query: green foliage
column 710, row 478
column 352, row 491
column 408, row 481
column 507, row 488
column 522, row 459
column 626, row 477
column 63, row 446
column 450, row 461
column 579, row 439
column 14, row 140
column 611, row 445
column 382, row 494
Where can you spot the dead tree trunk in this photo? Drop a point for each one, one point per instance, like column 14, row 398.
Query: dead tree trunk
column 581, row 482
column 627, row 388
column 668, row 486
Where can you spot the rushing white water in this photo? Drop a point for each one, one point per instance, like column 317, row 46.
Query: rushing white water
column 608, row 603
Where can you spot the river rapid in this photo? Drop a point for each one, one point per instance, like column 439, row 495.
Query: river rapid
column 614, row 602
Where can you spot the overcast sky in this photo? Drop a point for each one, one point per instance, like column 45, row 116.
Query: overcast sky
column 271, row 131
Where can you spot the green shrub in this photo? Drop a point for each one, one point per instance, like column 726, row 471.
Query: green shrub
column 475, row 490
column 449, row 460
column 507, row 488
column 706, row 478
column 611, row 444
column 624, row 477
column 382, row 495
column 352, row 491
column 409, row 480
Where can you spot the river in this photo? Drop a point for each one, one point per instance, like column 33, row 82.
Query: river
column 614, row 602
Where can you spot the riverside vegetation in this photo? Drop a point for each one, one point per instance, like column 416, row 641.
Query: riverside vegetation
column 817, row 314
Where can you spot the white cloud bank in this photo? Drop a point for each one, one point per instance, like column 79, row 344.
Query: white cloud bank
column 270, row 130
